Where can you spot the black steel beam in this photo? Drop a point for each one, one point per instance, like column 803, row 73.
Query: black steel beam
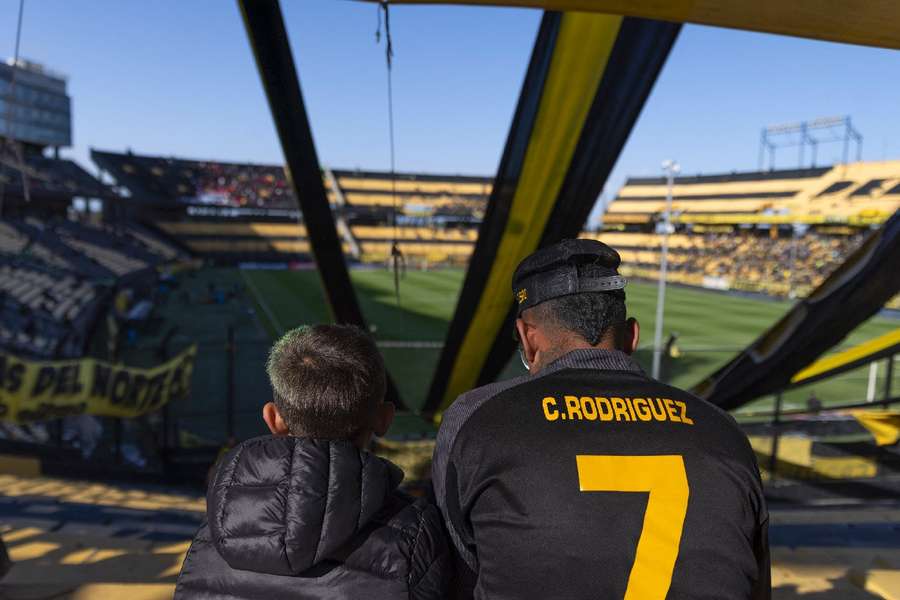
column 274, row 60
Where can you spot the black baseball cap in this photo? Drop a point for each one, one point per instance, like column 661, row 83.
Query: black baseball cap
column 552, row 272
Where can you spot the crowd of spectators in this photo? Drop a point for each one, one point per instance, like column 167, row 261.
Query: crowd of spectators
column 56, row 276
column 254, row 186
column 161, row 179
column 778, row 263
column 365, row 196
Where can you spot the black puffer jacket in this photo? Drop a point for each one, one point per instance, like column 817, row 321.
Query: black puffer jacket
column 291, row 517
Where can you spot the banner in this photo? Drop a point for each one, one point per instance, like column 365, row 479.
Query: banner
column 39, row 390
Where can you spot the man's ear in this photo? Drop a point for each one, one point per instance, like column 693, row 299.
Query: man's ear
column 384, row 416
column 632, row 335
column 526, row 339
column 273, row 419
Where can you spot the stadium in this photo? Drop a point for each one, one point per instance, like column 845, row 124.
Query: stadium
column 140, row 295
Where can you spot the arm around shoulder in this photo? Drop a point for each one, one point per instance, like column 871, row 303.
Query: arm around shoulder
column 431, row 566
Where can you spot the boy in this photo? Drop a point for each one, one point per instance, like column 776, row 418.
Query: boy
column 307, row 512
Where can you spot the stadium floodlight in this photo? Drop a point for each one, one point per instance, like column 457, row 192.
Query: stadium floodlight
column 809, row 133
column 671, row 168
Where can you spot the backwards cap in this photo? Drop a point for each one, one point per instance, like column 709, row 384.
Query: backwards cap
column 553, row 272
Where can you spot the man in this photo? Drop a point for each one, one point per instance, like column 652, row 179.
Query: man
column 586, row 478
column 307, row 512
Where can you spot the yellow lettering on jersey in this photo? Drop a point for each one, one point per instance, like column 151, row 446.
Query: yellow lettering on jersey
column 684, row 417
column 603, row 408
column 665, row 478
column 619, row 409
column 661, row 415
column 641, row 409
column 630, row 409
column 550, row 412
column 670, row 408
column 589, row 408
column 573, row 407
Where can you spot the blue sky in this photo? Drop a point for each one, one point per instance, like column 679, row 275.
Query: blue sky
column 177, row 78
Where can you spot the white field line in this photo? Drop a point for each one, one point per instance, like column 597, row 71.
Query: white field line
column 265, row 306
column 409, row 344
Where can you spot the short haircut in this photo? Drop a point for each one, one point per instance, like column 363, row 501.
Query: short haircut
column 591, row 315
column 327, row 380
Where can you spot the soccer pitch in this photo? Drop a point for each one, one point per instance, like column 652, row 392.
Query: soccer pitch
column 711, row 326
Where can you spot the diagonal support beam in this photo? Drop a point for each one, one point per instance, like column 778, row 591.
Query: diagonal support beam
column 274, row 60
column 587, row 81
column 857, row 290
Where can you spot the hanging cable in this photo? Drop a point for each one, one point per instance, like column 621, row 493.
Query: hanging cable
column 398, row 261
column 7, row 134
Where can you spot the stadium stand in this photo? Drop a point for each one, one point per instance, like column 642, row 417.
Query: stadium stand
column 435, row 215
column 860, row 192
column 774, row 232
column 739, row 259
column 45, row 311
column 733, row 230
column 57, row 276
column 49, row 178
column 162, row 180
column 440, row 198
column 94, row 250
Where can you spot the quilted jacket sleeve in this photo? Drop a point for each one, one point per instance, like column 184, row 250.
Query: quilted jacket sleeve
column 431, row 564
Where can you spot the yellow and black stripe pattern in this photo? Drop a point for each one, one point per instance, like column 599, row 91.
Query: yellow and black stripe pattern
column 588, row 78
column 858, row 289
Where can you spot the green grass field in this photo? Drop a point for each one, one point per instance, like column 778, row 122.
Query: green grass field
column 712, row 327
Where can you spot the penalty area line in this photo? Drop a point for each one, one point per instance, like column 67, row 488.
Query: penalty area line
column 270, row 315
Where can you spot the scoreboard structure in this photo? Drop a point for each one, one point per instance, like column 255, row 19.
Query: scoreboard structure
column 35, row 108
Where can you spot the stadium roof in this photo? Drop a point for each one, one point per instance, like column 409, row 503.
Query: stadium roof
column 863, row 23
column 734, row 176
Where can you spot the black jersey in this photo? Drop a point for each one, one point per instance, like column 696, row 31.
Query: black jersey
column 592, row 480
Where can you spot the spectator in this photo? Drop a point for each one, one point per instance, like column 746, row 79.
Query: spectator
column 308, row 512
column 536, row 476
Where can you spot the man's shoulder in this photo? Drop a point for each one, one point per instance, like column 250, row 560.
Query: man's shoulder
column 468, row 403
column 476, row 396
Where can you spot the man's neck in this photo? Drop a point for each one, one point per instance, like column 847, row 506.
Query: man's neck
column 567, row 346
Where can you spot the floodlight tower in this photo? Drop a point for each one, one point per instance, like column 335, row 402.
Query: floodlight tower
column 809, row 133
column 671, row 168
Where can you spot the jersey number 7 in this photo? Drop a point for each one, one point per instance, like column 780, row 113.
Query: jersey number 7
column 665, row 479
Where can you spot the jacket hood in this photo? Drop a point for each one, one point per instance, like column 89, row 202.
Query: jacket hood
column 281, row 505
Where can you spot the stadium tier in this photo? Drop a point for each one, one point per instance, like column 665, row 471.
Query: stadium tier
column 733, row 230
column 228, row 211
column 45, row 311
column 58, row 276
column 165, row 180
column 741, row 259
column 440, row 198
column 49, row 181
column 858, row 193
column 288, row 240
column 157, row 179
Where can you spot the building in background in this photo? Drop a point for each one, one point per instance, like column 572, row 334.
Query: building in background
column 35, row 108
